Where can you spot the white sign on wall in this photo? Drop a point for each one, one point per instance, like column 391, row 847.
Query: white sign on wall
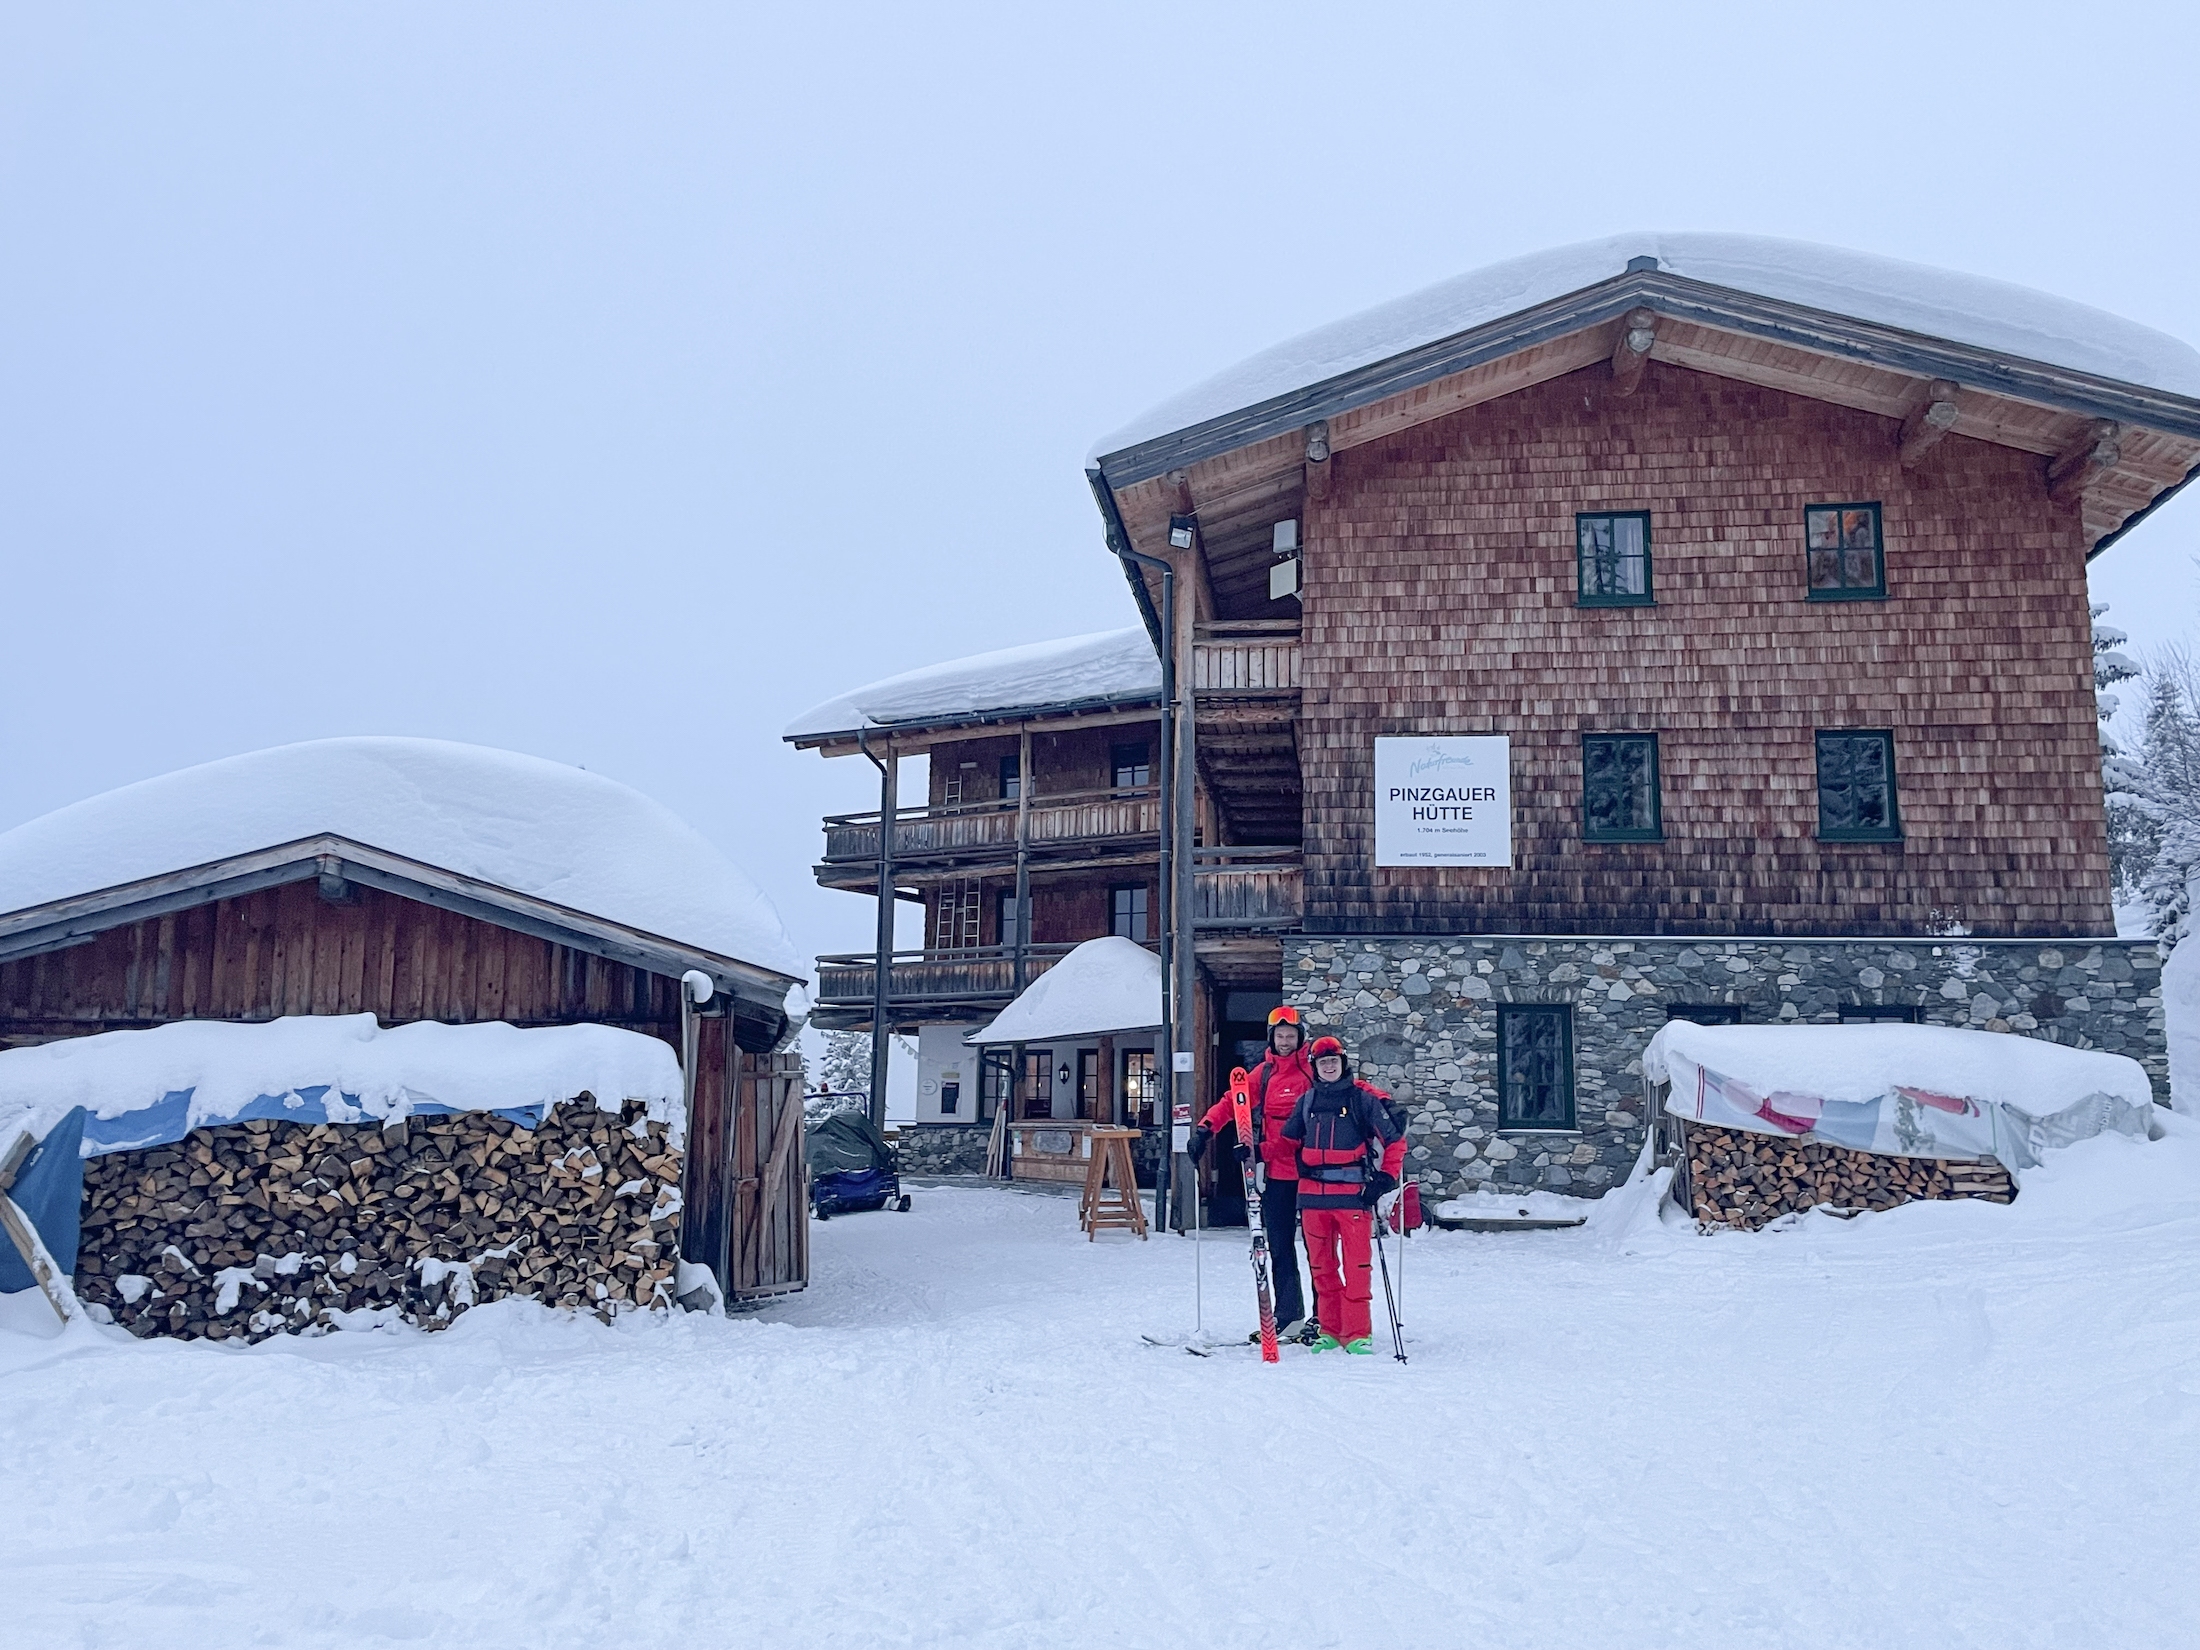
column 1443, row 800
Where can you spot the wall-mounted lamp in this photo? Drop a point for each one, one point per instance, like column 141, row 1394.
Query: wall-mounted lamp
column 1182, row 530
column 1062, row 1076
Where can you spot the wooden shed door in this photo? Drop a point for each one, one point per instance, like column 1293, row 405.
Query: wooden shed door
column 771, row 1215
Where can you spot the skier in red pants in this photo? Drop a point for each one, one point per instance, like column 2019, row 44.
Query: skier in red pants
column 1275, row 1085
column 1350, row 1152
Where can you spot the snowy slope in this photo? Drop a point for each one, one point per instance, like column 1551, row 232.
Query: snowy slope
column 1949, row 1425
column 1112, row 664
column 1105, row 985
column 1967, row 309
column 146, row 1087
column 561, row 834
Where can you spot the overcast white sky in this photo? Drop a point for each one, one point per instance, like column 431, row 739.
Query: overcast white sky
column 613, row 383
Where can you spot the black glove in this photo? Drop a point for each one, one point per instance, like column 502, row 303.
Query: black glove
column 1243, row 1152
column 1198, row 1148
column 1378, row 1188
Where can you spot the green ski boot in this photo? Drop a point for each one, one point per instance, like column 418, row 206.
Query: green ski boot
column 1326, row 1343
column 1364, row 1347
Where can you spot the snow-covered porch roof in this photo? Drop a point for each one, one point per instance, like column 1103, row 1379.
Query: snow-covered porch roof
column 1103, row 987
column 2113, row 405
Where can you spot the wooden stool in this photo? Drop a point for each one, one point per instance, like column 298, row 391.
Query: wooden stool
column 1111, row 1207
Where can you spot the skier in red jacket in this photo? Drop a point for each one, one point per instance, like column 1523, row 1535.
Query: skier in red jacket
column 1275, row 1085
column 1351, row 1152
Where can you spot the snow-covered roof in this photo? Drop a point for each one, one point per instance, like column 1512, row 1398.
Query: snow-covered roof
column 1109, row 665
column 1104, row 986
column 145, row 1088
column 1966, row 309
column 562, row 835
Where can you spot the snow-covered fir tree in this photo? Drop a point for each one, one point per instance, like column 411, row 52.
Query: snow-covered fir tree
column 2163, row 788
column 846, row 1073
column 2131, row 837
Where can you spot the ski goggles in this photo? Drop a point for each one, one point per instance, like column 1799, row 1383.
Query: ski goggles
column 1284, row 1016
column 1325, row 1046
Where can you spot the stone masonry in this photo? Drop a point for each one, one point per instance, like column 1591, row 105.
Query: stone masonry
column 1419, row 1016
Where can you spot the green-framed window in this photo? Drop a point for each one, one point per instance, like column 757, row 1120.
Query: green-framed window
column 1612, row 558
column 1619, row 788
column 1535, row 1064
column 1856, row 800
column 1844, row 553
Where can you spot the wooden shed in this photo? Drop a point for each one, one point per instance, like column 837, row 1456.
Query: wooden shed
column 419, row 880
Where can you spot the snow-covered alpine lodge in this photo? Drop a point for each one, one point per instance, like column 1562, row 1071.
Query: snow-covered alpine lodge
column 1671, row 626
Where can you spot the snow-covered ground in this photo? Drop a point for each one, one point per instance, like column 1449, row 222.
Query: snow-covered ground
column 1953, row 1424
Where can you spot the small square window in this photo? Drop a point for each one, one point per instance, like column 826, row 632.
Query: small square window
column 1856, row 788
column 1619, row 788
column 1612, row 555
column 1705, row 1014
column 1876, row 1014
column 1842, row 548
column 1133, row 766
column 1128, row 916
column 1535, row 1062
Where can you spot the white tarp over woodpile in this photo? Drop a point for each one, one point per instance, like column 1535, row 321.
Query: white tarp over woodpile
column 1112, row 664
column 1937, row 303
column 146, row 1088
column 1103, row 987
column 1909, row 1091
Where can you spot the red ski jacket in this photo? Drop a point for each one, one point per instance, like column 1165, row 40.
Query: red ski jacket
column 1338, row 1130
column 1275, row 1084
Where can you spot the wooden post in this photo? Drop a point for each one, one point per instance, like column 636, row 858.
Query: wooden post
column 52, row 1282
column 1023, row 859
column 1184, row 964
column 883, row 976
column 1103, row 1106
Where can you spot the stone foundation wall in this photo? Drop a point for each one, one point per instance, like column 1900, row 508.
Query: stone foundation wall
column 940, row 1148
column 1419, row 1016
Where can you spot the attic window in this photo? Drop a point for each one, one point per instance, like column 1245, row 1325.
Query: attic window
column 1613, row 559
column 1842, row 547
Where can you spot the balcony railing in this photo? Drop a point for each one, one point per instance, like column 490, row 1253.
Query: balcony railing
column 977, row 975
column 1251, row 888
column 1259, row 657
column 1073, row 817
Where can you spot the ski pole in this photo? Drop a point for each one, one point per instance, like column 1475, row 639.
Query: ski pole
column 1199, row 1292
column 1390, row 1301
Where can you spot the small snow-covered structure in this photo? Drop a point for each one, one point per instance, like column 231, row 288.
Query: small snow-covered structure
column 1105, row 986
column 1901, row 1090
column 419, row 886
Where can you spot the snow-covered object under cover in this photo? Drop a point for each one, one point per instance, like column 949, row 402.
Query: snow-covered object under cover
column 1103, row 986
column 1912, row 1091
column 1113, row 664
column 1965, row 309
column 557, row 833
column 146, row 1088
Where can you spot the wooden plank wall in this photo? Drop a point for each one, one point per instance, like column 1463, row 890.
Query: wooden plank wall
column 1441, row 598
column 771, row 1214
column 289, row 951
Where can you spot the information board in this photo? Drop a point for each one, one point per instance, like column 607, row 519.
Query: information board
column 1443, row 800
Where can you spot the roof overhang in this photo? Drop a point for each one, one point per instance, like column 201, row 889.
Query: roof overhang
column 1249, row 461
column 911, row 736
column 759, row 994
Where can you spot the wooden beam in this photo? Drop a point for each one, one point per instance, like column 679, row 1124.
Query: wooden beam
column 1638, row 330
column 2085, row 460
column 1933, row 418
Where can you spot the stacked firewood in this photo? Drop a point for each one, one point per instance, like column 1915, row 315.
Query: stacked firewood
column 253, row 1229
column 1746, row 1181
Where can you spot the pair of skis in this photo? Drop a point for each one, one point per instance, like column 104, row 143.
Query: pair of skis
column 1241, row 1109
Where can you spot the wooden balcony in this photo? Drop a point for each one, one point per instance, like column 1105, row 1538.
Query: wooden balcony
column 1246, row 659
column 1254, row 893
column 1073, row 823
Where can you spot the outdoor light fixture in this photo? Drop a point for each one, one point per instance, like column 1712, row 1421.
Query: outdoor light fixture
column 1062, row 1076
column 1182, row 529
